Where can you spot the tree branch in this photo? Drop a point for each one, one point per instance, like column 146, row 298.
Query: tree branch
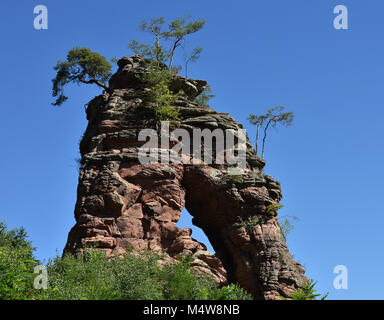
column 95, row 81
column 175, row 45
column 265, row 136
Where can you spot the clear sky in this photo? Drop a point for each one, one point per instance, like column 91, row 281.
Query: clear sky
column 257, row 55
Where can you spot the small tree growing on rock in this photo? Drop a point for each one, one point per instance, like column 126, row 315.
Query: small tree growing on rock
column 203, row 98
column 158, row 79
column 81, row 66
column 273, row 117
column 155, row 51
column 177, row 30
column 193, row 57
column 258, row 121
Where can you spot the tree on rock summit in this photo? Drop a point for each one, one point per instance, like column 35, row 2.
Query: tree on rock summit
column 81, row 66
column 177, row 30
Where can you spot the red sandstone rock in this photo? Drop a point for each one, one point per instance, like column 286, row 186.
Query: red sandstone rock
column 123, row 203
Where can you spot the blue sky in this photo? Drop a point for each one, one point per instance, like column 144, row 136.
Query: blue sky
column 257, row 55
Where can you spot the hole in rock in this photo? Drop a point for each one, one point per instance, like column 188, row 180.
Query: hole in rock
column 198, row 234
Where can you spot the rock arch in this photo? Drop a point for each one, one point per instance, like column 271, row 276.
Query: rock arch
column 122, row 202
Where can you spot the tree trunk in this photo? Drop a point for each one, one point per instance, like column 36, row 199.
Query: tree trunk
column 186, row 70
column 100, row 84
column 265, row 136
column 175, row 45
column 171, row 58
column 257, row 137
column 157, row 49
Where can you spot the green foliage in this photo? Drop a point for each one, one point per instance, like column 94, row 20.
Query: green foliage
column 273, row 209
column 16, row 264
column 182, row 284
column 159, row 80
column 181, row 27
column 273, row 117
column 73, row 278
column 307, row 292
column 249, row 223
column 193, row 57
column 156, row 51
column 231, row 292
column 233, row 178
column 92, row 276
column 114, row 60
column 286, row 226
column 169, row 113
column 256, row 120
column 203, row 98
column 277, row 116
column 175, row 35
column 148, row 51
column 233, row 175
column 81, row 66
column 178, row 29
column 133, row 277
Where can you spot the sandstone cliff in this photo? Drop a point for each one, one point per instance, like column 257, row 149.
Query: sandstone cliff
column 121, row 202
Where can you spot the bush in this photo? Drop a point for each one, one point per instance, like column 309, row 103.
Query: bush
column 137, row 277
column 133, row 277
column 93, row 276
column 84, row 278
column 273, row 209
column 307, row 292
column 168, row 113
column 16, row 264
column 181, row 284
column 231, row 292
column 159, row 79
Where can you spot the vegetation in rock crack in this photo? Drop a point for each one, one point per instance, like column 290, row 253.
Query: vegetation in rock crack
column 286, row 226
column 158, row 80
column 272, row 209
column 272, row 118
column 307, row 292
column 233, row 178
column 81, row 66
column 92, row 276
column 203, row 98
column 248, row 223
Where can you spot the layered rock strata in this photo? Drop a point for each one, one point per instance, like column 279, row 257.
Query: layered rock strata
column 122, row 203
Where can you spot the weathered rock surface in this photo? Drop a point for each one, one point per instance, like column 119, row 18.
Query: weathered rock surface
column 121, row 202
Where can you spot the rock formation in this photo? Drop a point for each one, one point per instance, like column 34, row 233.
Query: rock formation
column 121, row 202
